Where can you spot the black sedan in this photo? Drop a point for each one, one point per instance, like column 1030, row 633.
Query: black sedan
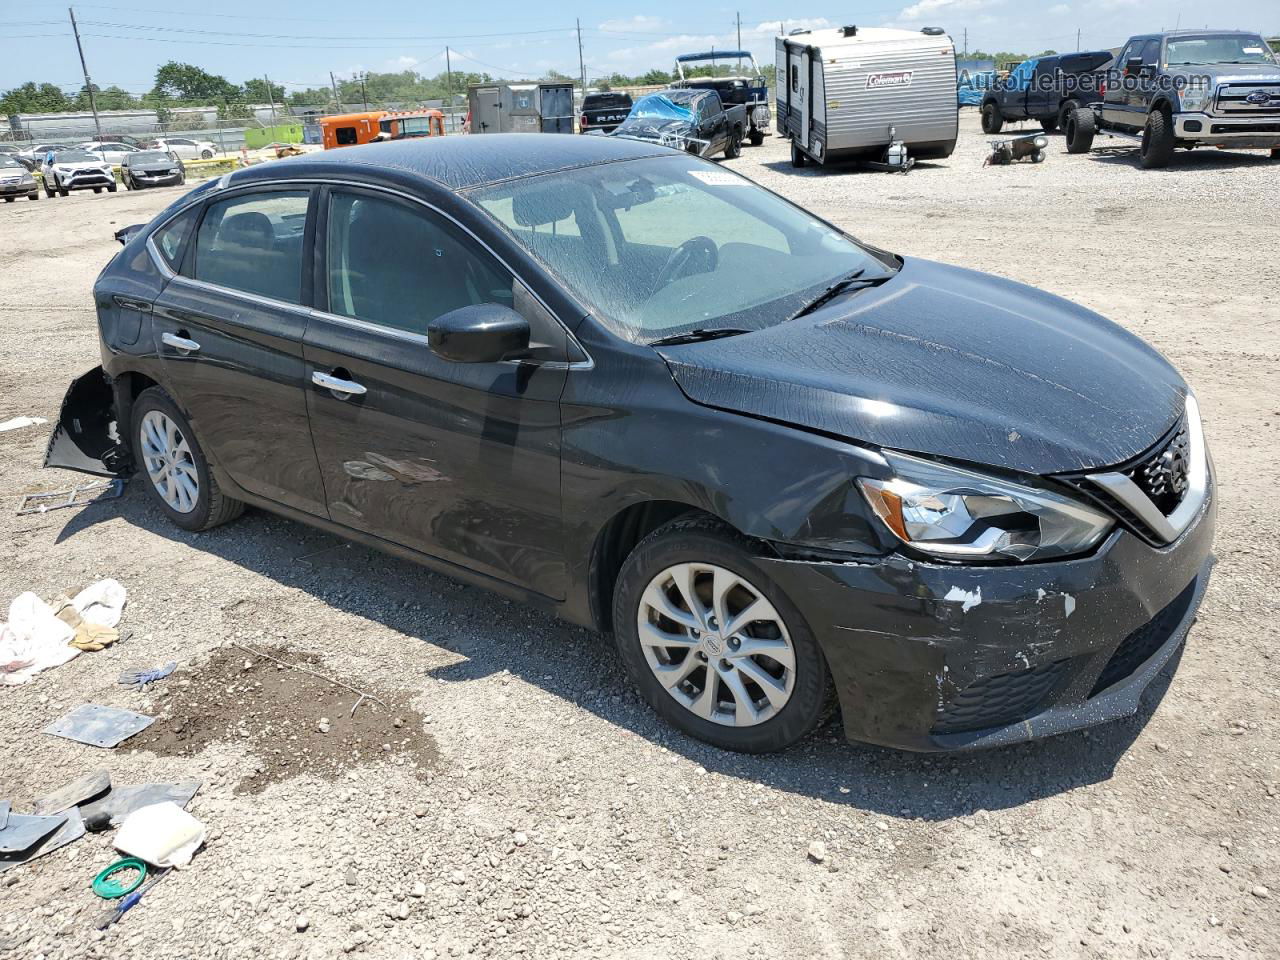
column 623, row 384
column 151, row 168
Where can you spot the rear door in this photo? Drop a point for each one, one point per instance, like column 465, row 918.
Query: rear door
column 228, row 330
column 457, row 460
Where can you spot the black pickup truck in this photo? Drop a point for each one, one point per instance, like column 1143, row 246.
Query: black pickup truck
column 603, row 111
column 692, row 120
column 1046, row 89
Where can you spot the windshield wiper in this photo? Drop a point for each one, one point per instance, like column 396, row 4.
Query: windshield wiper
column 837, row 288
column 697, row 336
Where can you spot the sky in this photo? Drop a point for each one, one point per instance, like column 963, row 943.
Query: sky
column 298, row 42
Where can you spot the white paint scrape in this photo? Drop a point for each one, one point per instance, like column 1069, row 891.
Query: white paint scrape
column 1069, row 603
column 970, row 598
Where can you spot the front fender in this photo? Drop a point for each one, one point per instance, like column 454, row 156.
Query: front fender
column 87, row 435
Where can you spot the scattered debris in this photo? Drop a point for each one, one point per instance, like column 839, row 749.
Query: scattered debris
column 17, row 423
column 294, row 666
column 81, row 496
column 1004, row 152
column 71, row 830
column 129, row 902
column 111, row 810
column 75, row 793
column 140, row 678
column 163, row 834
column 108, row 888
column 23, row 831
column 98, row 726
column 4, row 813
column 817, row 851
column 39, row 636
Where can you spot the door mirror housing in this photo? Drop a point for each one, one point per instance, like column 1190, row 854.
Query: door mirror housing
column 1132, row 65
column 482, row 333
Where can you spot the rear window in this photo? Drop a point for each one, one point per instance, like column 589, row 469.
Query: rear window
column 346, row 135
column 605, row 101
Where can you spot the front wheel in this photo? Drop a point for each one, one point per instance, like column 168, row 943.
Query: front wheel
column 48, row 190
column 1049, row 124
column 112, row 188
column 1157, row 141
column 992, row 119
column 1275, row 154
column 798, row 158
column 10, row 199
column 206, row 154
column 178, row 476
column 734, row 148
column 715, row 646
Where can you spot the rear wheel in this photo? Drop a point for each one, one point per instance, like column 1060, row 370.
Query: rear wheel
column 10, row 199
column 1081, row 127
column 206, row 154
column 716, row 648
column 798, row 158
column 992, row 119
column 1065, row 112
column 1049, row 124
column 734, row 149
column 1275, row 154
column 756, row 137
column 97, row 190
column 178, row 475
column 1157, row 140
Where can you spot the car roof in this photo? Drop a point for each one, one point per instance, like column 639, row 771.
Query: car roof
column 1192, row 34
column 460, row 162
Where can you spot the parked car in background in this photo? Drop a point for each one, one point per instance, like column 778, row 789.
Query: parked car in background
column 113, row 152
column 1187, row 89
column 151, row 168
column 1046, row 89
column 603, row 111
column 185, row 147
column 644, row 392
column 742, row 83
column 38, row 151
column 16, row 180
column 692, row 120
column 71, row 168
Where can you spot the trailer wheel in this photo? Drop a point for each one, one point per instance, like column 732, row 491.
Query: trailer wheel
column 756, row 137
column 992, row 119
column 798, row 159
column 1157, row 141
column 1067, row 109
column 1080, row 130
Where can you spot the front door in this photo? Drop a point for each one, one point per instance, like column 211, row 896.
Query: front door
column 457, row 460
column 802, row 102
column 229, row 331
column 1115, row 102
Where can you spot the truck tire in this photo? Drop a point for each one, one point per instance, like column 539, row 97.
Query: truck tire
column 733, row 150
column 992, row 119
column 1275, row 154
column 756, row 137
column 1080, row 130
column 1066, row 111
column 798, row 159
column 1157, row 140
column 1049, row 124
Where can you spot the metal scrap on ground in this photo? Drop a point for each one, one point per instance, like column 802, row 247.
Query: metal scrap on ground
column 80, row 496
column 73, row 794
column 99, row 726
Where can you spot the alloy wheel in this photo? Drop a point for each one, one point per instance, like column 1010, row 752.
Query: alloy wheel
column 716, row 644
column 167, row 458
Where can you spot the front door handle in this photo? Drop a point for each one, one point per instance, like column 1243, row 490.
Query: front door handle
column 179, row 342
column 349, row 388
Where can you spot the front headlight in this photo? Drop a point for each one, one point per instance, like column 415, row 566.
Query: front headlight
column 1196, row 98
column 26, row 178
column 106, row 168
column 961, row 514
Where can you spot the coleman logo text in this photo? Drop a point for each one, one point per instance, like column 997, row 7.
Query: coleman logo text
column 899, row 78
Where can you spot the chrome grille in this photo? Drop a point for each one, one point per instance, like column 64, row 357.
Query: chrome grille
column 1247, row 99
column 1163, row 476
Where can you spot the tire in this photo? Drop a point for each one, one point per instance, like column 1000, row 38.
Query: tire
column 63, row 192
column 1275, row 154
column 1157, row 141
column 182, row 179
column 112, row 188
column 734, row 150
column 10, row 199
column 992, row 119
column 1080, row 130
column 762, row 724
column 206, row 154
column 1049, row 124
column 48, row 191
column 33, row 195
column 755, row 137
column 1065, row 112
column 1038, row 157
column 210, row 506
column 97, row 190
column 798, row 157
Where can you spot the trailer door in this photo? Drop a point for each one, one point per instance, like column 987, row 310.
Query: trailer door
column 488, row 116
column 805, row 100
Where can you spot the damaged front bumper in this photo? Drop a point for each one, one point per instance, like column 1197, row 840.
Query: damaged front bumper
column 87, row 435
column 934, row 657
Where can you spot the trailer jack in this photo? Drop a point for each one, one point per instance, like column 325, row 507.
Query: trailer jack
column 896, row 158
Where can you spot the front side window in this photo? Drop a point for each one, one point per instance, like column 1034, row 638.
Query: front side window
column 401, row 266
column 663, row 245
column 253, row 243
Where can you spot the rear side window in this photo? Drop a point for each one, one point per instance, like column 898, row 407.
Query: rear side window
column 345, row 135
column 253, row 243
column 401, row 266
column 171, row 239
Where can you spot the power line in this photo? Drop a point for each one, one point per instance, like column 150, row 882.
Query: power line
column 400, row 37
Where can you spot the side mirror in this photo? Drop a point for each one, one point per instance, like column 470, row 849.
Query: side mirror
column 483, row 333
column 1132, row 65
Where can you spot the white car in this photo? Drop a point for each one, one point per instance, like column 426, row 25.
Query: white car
column 71, row 168
column 186, row 148
column 110, row 151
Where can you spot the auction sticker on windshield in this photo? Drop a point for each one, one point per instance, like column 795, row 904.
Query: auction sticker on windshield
column 718, row 178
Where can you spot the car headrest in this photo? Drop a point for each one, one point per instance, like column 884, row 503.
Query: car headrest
column 533, row 208
column 249, row 229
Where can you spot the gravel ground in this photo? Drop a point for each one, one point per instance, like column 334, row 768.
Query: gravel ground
column 545, row 812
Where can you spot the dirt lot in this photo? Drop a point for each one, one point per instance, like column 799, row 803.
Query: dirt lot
column 529, row 805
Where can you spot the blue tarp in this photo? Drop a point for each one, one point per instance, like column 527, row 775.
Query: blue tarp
column 658, row 107
column 974, row 86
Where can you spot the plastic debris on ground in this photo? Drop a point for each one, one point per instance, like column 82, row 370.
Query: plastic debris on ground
column 24, row 830
column 38, row 636
column 163, row 834
column 115, row 807
column 129, row 902
column 98, row 726
column 17, row 423
column 74, row 794
column 80, row 496
column 140, row 678
column 4, row 813
column 72, row 829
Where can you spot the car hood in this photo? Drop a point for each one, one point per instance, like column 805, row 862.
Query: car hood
column 80, row 164
column 649, row 128
column 953, row 363
column 1231, row 72
column 155, row 165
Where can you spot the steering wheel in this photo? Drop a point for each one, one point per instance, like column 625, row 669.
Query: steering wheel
column 696, row 255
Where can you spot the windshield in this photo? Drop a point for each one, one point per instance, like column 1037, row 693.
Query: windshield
column 8, row 161
column 1228, row 48
column 74, row 156
column 149, row 156
column 665, row 245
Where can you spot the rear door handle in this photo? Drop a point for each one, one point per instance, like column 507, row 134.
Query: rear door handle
column 347, row 387
column 179, row 342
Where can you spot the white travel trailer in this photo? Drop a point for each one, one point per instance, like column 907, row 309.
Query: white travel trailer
column 867, row 94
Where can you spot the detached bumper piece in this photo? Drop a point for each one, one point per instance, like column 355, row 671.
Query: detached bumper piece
column 86, row 438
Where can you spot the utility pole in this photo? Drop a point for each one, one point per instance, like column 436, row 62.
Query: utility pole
column 582, row 67
column 337, row 100
column 271, row 97
column 448, row 72
column 1077, row 40
column 739, row 31
column 966, row 43
column 88, row 84
column 364, row 92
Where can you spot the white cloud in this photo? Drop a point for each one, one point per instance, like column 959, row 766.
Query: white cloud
column 937, row 8
column 403, row 63
column 638, row 23
column 1059, row 9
